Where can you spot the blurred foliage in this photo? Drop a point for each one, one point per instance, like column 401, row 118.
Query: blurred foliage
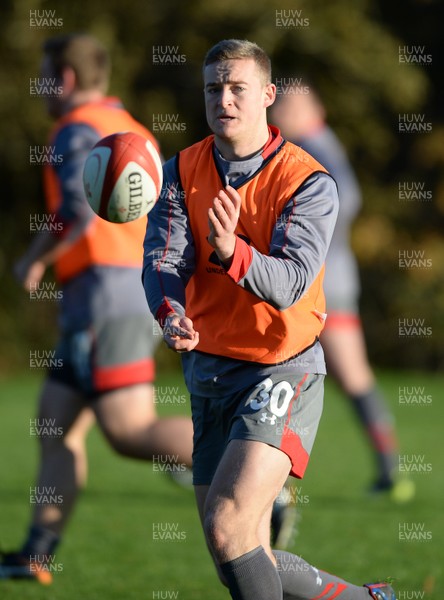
column 348, row 48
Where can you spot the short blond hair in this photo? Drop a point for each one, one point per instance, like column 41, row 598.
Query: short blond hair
column 236, row 49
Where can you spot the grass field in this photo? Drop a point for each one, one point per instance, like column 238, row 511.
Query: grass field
column 109, row 552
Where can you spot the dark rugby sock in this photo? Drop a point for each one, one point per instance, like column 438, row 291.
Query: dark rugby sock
column 301, row 581
column 40, row 542
column 252, row 576
column 378, row 422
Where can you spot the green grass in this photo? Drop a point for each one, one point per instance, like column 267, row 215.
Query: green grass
column 109, row 552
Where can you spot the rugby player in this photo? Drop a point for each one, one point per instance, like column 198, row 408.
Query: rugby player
column 252, row 217
column 107, row 342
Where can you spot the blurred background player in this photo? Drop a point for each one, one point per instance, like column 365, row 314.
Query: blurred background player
column 106, row 344
column 301, row 116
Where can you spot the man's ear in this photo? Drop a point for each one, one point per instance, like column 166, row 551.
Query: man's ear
column 270, row 94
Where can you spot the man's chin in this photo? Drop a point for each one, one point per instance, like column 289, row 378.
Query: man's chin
column 225, row 133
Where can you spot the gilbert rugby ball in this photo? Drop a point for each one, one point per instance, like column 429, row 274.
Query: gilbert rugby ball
column 122, row 177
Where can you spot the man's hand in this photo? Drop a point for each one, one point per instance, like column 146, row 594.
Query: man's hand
column 222, row 220
column 179, row 334
column 29, row 274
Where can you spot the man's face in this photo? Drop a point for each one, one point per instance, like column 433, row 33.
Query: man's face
column 236, row 98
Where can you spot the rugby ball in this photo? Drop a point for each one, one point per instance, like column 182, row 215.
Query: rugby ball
column 122, row 177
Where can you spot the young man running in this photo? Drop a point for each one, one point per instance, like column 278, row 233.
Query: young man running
column 107, row 343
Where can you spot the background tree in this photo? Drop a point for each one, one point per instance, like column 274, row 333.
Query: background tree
column 349, row 49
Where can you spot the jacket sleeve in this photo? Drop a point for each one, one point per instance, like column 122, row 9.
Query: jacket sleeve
column 298, row 247
column 73, row 144
column 168, row 249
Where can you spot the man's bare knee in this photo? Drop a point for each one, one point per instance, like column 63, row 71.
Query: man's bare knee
column 221, row 525
column 121, row 443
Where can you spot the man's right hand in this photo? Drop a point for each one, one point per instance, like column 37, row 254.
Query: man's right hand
column 179, row 333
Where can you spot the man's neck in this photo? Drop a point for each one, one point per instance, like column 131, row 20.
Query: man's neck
column 82, row 97
column 230, row 150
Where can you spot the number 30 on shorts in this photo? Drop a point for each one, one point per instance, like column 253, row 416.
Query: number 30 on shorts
column 277, row 396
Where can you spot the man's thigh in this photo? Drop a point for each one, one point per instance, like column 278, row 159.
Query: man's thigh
column 240, row 498
column 251, row 475
column 125, row 412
